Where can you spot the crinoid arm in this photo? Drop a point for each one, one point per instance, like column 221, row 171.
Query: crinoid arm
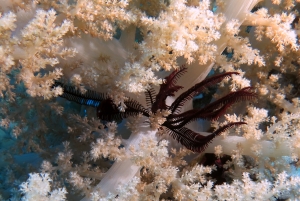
column 213, row 110
column 108, row 111
column 197, row 89
column 150, row 97
column 244, row 94
column 89, row 98
column 168, row 88
column 195, row 141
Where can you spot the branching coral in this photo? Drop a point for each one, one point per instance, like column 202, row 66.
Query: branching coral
column 106, row 53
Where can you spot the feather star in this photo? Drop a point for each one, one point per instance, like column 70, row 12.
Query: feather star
column 175, row 121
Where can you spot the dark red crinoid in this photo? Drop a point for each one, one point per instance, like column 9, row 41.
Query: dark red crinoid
column 176, row 121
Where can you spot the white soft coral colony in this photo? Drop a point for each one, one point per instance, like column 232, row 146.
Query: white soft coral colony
column 106, row 54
